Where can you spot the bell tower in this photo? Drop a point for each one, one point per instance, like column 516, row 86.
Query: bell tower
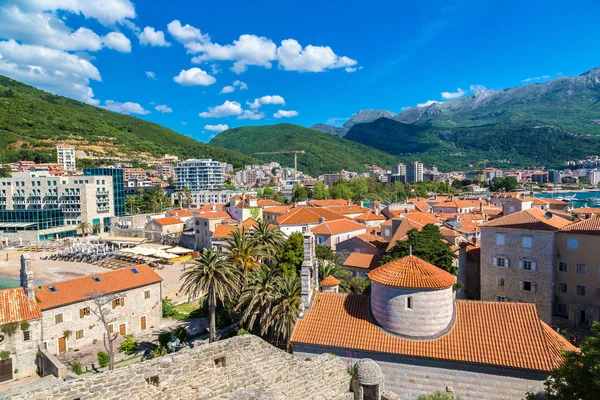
column 310, row 272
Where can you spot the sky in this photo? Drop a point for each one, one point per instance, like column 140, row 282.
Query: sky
column 200, row 67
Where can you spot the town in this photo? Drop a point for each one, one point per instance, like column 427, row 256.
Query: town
column 421, row 272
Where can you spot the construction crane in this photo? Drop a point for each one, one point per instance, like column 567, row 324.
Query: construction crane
column 294, row 152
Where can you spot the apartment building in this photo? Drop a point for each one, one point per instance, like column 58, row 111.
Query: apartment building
column 517, row 259
column 37, row 206
column 137, row 173
column 199, row 174
column 577, row 283
column 414, row 172
column 65, row 156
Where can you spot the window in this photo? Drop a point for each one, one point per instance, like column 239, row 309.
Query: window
column 500, row 281
column 500, row 239
column 563, row 266
column 52, row 289
column 581, row 290
column 321, row 239
column 501, row 299
column 303, row 229
column 527, row 286
column 572, row 244
column 96, row 279
column 581, row 269
column 26, row 336
column 120, row 302
column 528, row 265
column 84, row 311
column 146, row 294
column 79, row 334
column 562, row 287
column 58, row 318
column 409, row 303
column 110, row 328
column 527, row 242
column 501, row 262
column 562, row 309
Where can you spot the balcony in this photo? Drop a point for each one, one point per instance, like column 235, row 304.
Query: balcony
column 71, row 202
column 102, row 201
column 74, row 193
column 102, row 208
column 69, row 209
column 18, row 201
column 101, row 191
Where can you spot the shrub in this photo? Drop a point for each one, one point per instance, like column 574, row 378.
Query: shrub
column 308, row 359
column 129, row 346
column 164, row 338
column 77, row 368
column 4, row 354
column 25, row 326
column 103, row 359
column 439, row 396
column 242, row 331
column 168, row 309
column 181, row 333
column 16, row 371
column 10, row 328
column 67, row 334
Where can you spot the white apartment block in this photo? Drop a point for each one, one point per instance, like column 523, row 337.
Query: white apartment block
column 66, row 157
column 414, row 172
column 199, row 174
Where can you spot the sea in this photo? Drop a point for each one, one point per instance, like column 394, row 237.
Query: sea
column 7, row 281
column 580, row 197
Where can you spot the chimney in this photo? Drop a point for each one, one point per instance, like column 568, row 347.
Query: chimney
column 349, row 202
column 475, row 241
column 321, row 220
column 214, row 208
column 480, row 207
column 27, row 277
column 457, row 218
column 435, row 196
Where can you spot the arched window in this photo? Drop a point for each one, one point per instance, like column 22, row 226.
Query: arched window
column 409, row 302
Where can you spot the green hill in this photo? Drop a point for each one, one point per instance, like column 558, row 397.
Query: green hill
column 324, row 152
column 32, row 122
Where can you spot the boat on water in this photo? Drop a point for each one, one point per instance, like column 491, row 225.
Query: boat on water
column 567, row 198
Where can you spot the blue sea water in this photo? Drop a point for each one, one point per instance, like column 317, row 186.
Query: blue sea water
column 8, row 282
column 580, row 197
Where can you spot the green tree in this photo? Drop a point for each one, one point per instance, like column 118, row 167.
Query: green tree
column 269, row 237
column 426, row 244
column 327, row 268
column 268, row 193
column 97, row 228
column 214, row 277
column 5, row 171
column 281, row 318
column 340, row 190
column 258, row 294
column 242, row 252
column 291, row 255
column 83, row 227
column 324, row 253
column 320, row 191
column 299, row 193
column 578, row 377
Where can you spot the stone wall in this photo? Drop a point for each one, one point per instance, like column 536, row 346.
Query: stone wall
column 23, row 352
column 411, row 377
column 243, row 367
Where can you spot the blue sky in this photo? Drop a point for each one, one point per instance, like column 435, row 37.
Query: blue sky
column 302, row 62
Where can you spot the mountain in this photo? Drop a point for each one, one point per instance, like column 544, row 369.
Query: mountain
column 33, row 122
column 324, row 152
column 332, row 130
column 536, row 124
column 365, row 116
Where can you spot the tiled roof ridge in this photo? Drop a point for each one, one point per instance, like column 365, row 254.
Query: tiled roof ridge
column 412, row 272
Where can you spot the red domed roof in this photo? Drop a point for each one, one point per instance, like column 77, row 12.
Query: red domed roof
column 330, row 280
column 412, row 272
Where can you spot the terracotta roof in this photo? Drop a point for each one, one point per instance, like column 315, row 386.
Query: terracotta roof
column 362, row 260
column 209, row 207
column 370, row 216
column 412, row 272
column 249, row 223
column 587, row 210
column 168, row 221
column 268, row 202
column 490, row 333
column 16, row 307
column 590, row 226
column 338, row 226
column 328, row 203
column 375, row 241
column 307, row 215
column 421, row 204
column 330, row 280
column 541, row 200
column 405, row 226
column 277, row 209
column 181, row 213
column 422, row 218
column 80, row 289
column 213, row 215
column 347, row 210
column 223, row 231
column 531, row 219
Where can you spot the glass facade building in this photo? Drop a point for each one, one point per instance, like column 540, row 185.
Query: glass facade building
column 118, row 187
column 19, row 220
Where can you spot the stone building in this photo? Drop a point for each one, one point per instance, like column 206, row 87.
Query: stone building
column 166, row 226
column 425, row 341
column 517, row 259
column 330, row 233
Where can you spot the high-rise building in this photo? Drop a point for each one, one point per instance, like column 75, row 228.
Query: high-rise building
column 414, row 172
column 118, row 186
column 66, row 157
column 553, row 176
column 399, row 169
column 593, row 177
column 199, row 174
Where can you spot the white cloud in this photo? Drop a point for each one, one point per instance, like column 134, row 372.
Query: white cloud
column 186, row 34
column 125, row 108
column 117, row 41
column 183, row 123
column 194, row 76
column 276, row 99
column 477, row 88
column 214, row 69
column 163, row 108
column 336, row 120
column 350, row 69
column 53, row 70
column 293, row 57
column 151, row 75
column 537, row 78
column 427, row 103
column 453, row 95
column 285, row 114
column 107, row 12
column 151, row 37
column 242, row 85
column 216, row 128
column 253, row 115
column 227, row 89
column 227, row 109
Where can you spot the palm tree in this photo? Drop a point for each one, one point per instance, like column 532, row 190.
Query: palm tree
column 243, row 253
column 97, row 228
column 281, row 318
column 258, row 293
column 269, row 237
column 214, row 277
column 327, row 268
column 187, row 193
column 83, row 227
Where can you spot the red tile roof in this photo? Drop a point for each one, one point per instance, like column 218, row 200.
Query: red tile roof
column 590, row 226
column 337, row 227
column 375, row 241
column 213, row 215
column 80, row 289
column 531, row 219
column 16, row 307
column 268, row 202
column 223, row 231
column 501, row 334
column 412, row 272
column 209, row 207
column 328, row 203
column 307, row 215
column 348, row 210
column 362, row 260
column 370, row 216
column 181, row 213
column 168, row 221
column 330, row 280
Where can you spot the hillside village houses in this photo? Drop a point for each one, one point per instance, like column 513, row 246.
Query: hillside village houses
column 63, row 316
